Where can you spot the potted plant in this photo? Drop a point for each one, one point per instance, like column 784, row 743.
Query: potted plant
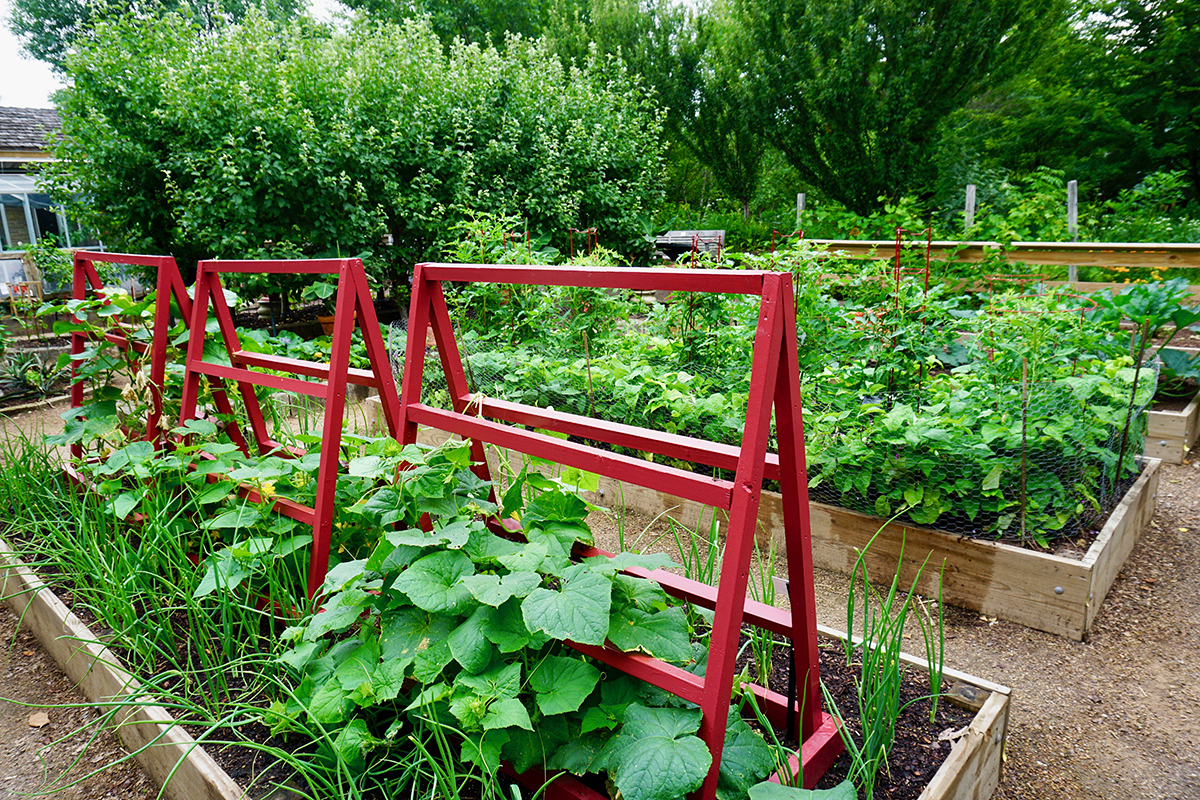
column 324, row 291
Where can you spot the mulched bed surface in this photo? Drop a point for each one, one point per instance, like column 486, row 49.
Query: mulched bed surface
column 916, row 755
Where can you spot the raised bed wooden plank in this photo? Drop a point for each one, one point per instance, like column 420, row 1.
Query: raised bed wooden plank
column 1046, row 592
column 168, row 754
column 1038, row 590
column 1171, row 434
column 974, row 767
column 1120, row 533
column 1105, row 254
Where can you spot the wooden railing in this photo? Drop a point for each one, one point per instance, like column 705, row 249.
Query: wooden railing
column 1081, row 254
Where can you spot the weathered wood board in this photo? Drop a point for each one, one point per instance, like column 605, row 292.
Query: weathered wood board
column 1171, row 434
column 168, row 754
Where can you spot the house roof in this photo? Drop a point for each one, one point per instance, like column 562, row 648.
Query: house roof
column 27, row 129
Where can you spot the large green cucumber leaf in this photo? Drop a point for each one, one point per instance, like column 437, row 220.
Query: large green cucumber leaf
column 578, row 612
column 562, row 683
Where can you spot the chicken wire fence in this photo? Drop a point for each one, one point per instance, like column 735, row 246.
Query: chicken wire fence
column 1032, row 461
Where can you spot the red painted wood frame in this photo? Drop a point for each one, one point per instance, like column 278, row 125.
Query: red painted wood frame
column 168, row 285
column 353, row 302
column 774, row 383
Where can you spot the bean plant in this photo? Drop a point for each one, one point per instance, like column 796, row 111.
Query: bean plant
column 1001, row 418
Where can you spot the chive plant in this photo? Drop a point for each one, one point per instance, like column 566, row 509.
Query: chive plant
column 875, row 623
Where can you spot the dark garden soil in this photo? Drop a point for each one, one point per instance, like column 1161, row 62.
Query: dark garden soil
column 1185, row 338
column 917, row 754
column 1176, row 404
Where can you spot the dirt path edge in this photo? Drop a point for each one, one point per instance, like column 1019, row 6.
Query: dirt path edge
column 168, row 754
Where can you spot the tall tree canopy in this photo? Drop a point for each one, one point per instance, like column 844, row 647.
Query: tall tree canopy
column 485, row 21
column 852, row 91
column 689, row 58
column 1153, row 51
column 49, row 29
column 1114, row 97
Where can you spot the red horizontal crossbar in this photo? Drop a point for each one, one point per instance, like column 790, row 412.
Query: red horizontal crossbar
column 298, row 366
column 123, row 341
column 757, row 614
column 309, row 266
column 124, row 258
column 709, row 491
column 677, row 280
column 665, row 676
column 280, row 505
column 282, row 382
column 671, row 445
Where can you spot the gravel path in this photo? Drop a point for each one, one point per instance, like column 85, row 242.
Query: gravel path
column 1116, row 717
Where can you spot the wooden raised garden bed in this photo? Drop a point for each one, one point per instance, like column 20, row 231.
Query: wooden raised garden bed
column 971, row 771
column 1051, row 593
column 1047, row 592
column 1171, row 434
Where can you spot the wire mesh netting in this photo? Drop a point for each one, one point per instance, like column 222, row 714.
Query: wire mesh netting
column 970, row 450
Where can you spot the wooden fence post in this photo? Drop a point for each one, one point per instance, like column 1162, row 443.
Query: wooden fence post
column 1073, row 223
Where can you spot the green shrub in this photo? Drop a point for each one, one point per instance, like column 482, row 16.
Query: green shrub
column 276, row 140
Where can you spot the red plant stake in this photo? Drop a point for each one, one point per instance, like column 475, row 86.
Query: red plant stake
column 593, row 238
column 698, row 240
column 774, row 385
column 515, row 238
column 783, row 237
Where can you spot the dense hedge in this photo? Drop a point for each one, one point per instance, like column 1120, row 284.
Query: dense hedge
column 264, row 138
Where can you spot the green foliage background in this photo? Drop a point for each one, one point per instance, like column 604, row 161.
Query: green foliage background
column 270, row 139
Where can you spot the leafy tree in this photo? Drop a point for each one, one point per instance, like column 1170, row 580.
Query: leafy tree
column 50, row 28
column 713, row 111
column 852, row 92
column 685, row 57
column 1150, row 50
column 483, row 21
column 270, row 139
column 1112, row 99
column 1062, row 114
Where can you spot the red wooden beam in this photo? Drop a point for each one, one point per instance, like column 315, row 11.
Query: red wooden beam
column 297, row 366
column 709, row 491
column 280, row 382
column 665, row 676
column 670, row 445
column 306, row 266
column 681, row 280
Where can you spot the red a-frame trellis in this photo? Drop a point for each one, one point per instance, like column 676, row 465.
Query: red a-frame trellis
column 774, row 383
column 169, row 286
column 353, row 302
